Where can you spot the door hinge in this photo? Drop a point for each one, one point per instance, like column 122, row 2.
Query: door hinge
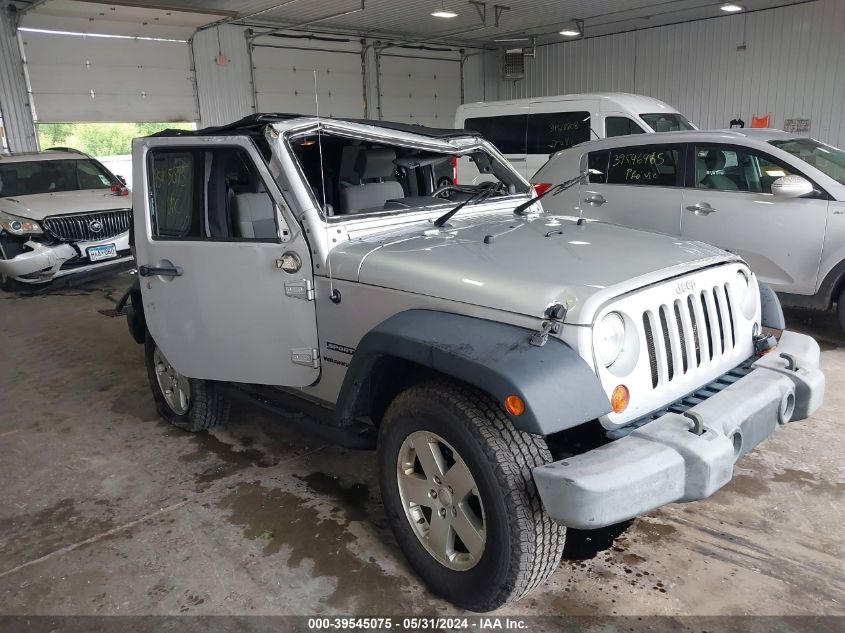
column 307, row 356
column 302, row 289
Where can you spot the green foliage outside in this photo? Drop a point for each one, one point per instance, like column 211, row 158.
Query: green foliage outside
column 99, row 139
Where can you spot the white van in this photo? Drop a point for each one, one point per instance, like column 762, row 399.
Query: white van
column 528, row 131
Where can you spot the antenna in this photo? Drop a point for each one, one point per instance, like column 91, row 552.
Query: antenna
column 334, row 295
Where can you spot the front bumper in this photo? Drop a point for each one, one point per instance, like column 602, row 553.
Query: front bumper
column 44, row 262
column 666, row 461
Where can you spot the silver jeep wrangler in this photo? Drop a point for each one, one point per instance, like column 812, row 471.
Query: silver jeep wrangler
column 518, row 372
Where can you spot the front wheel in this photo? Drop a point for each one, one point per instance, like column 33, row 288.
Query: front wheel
column 188, row 403
column 458, row 491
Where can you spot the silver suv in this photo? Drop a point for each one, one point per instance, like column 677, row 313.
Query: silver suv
column 517, row 372
column 775, row 199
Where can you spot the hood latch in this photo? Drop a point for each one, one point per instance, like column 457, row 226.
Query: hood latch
column 555, row 314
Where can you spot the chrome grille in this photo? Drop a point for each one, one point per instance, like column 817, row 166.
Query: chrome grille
column 82, row 226
column 701, row 333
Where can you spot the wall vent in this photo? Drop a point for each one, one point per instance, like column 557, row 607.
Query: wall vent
column 513, row 64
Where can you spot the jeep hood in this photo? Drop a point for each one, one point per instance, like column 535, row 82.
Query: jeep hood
column 41, row 205
column 526, row 265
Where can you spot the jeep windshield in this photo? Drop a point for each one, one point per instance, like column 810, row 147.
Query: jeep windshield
column 356, row 177
column 24, row 178
column 827, row 159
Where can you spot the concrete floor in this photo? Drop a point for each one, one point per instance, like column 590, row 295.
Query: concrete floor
column 105, row 509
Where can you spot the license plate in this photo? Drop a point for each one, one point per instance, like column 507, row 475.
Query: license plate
column 99, row 253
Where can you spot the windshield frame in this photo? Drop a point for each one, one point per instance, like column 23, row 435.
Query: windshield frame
column 61, row 163
column 815, row 146
column 460, row 146
column 682, row 120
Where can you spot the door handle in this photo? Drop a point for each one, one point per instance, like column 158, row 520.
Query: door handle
column 156, row 271
column 517, row 160
column 595, row 199
column 702, row 208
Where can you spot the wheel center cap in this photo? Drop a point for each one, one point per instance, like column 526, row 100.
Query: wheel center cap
column 445, row 497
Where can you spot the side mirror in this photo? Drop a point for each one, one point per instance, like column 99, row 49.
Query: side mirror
column 121, row 179
column 792, row 187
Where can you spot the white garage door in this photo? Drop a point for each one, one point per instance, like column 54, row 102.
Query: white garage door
column 419, row 90
column 284, row 81
column 78, row 78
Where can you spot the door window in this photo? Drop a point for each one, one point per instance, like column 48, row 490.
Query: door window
column 729, row 168
column 655, row 165
column 506, row 132
column 551, row 132
column 215, row 194
column 621, row 126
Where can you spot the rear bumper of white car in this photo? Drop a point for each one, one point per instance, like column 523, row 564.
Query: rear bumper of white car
column 43, row 262
column 666, row 461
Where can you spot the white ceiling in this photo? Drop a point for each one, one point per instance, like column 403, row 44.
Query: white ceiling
column 405, row 19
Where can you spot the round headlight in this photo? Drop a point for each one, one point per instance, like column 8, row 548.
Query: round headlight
column 609, row 337
column 742, row 285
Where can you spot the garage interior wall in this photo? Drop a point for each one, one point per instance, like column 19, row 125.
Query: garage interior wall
column 785, row 61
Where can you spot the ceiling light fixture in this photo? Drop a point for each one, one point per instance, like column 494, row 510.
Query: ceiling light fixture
column 574, row 31
column 443, row 12
column 730, row 7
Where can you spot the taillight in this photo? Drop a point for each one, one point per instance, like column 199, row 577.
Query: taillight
column 454, row 170
column 541, row 187
column 119, row 190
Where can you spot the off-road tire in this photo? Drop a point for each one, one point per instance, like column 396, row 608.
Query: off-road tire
column 523, row 544
column 208, row 408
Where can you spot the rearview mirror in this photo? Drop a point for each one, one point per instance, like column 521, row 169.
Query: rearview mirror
column 792, row 187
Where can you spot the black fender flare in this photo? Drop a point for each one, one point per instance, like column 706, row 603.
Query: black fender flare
column 558, row 387
column 771, row 313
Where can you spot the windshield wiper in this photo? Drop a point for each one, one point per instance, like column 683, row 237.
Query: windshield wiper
column 566, row 184
column 479, row 196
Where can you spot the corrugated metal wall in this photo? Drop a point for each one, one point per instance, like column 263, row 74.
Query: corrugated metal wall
column 793, row 65
column 14, row 101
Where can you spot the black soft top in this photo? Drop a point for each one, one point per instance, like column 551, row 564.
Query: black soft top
column 253, row 124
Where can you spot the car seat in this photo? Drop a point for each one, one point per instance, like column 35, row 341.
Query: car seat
column 374, row 165
column 715, row 161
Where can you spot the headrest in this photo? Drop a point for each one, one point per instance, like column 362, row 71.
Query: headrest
column 375, row 163
column 715, row 160
column 700, row 169
column 663, row 125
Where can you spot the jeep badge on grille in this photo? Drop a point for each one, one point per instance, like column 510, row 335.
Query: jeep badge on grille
column 685, row 286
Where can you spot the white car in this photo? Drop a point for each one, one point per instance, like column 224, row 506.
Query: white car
column 775, row 199
column 61, row 213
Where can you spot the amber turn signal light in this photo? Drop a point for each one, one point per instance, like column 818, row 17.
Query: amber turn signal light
column 619, row 398
column 515, row 405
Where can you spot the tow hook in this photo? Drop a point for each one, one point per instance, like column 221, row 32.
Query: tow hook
column 697, row 422
column 791, row 365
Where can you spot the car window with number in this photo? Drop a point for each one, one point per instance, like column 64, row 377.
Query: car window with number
column 550, row 132
column 731, row 168
column 213, row 194
column 654, row 165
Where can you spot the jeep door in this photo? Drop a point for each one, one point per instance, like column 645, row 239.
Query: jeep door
column 730, row 204
column 639, row 186
column 212, row 231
